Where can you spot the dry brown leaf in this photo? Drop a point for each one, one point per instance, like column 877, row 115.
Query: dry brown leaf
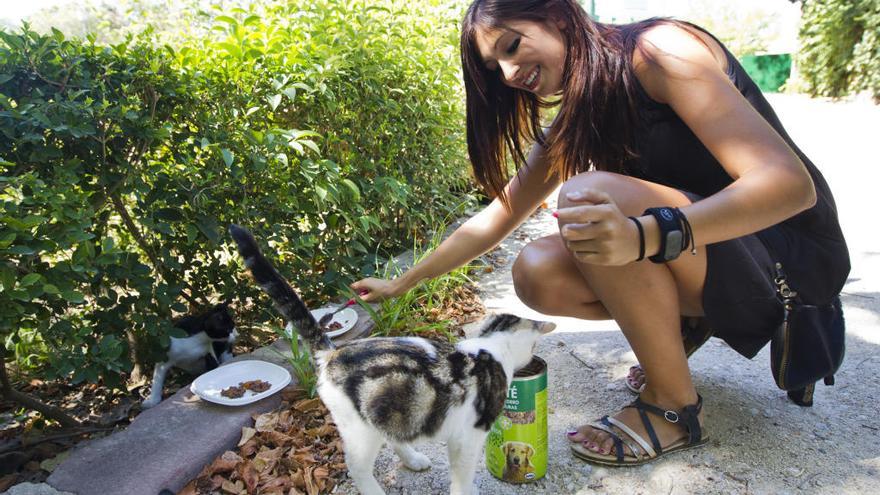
column 249, row 474
column 246, row 434
column 307, row 405
column 298, row 479
column 265, row 461
column 266, row 422
column 223, row 464
column 215, row 483
column 282, row 482
column 230, row 487
column 277, row 438
column 321, row 472
column 292, row 393
column 312, row 487
column 321, row 431
column 250, row 447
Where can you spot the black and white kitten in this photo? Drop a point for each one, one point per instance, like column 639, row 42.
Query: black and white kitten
column 406, row 389
column 208, row 343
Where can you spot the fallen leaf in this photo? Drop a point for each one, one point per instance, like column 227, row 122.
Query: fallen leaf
column 246, row 434
column 307, row 405
column 249, row 474
column 266, row 422
column 230, row 487
column 277, row 438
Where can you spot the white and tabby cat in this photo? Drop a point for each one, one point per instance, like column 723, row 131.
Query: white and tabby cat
column 406, row 389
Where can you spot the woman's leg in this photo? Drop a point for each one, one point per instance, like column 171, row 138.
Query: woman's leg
column 645, row 299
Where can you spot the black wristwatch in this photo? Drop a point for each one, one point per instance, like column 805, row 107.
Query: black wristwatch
column 671, row 234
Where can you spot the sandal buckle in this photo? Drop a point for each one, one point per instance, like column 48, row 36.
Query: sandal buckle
column 671, row 416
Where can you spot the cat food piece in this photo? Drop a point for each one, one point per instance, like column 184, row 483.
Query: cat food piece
column 256, row 386
column 233, row 392
column 332, row 326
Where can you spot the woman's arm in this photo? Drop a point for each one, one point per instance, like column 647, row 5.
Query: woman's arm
column 478, row 234
column 770, row 183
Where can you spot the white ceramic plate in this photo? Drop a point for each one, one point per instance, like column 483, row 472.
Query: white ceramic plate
column 209, row 385
column 347, row 318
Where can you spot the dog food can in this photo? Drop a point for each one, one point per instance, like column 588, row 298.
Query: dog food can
column 516, row 448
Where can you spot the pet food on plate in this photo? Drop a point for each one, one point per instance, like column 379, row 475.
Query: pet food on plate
column 332, row 326
column 255, row 386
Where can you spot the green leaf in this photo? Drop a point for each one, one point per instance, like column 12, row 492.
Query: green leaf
column 23, row 250
column 290, row 93
column 50, row 289
column 353, row 188
column 169, row 214
column 225, row 18
column 322, row 193
column 73, row 296
column 6, row 239
column 274, row 101
column 30, row 279
column 7, row 277
column 227, row 156
column 33, row 220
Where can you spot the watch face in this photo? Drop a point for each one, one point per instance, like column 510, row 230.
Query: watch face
column 673, row 245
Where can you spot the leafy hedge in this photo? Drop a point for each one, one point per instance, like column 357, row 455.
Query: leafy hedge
column 840, row 47
column 332, row 129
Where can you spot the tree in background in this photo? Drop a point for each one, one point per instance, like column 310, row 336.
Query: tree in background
column 840, row 47
column 726, row 21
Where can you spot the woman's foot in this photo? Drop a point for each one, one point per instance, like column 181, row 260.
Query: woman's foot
column 635, row 379
column 670, row 435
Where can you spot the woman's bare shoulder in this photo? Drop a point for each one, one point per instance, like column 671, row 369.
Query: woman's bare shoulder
column 668, row 52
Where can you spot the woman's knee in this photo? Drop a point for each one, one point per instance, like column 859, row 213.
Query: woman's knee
column 536, row 274
column 608, row 182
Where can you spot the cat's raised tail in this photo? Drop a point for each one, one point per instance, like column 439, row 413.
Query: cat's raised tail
column 285, row 299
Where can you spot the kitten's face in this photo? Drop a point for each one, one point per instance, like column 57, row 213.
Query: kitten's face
column 522, row 333
column 219, row 324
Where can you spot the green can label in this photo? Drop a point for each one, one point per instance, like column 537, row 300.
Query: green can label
column 516, row 448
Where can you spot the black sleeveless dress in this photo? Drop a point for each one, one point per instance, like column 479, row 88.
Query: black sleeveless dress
column 739, row 297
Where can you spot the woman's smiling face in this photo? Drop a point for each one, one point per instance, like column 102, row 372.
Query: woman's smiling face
column 528, row 55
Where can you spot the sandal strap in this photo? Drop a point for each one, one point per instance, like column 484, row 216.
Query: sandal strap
column 635, row 436
column 618, row 442
column 652, row 434
column 687, row 418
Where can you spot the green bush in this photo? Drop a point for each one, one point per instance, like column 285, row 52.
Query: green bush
column 840, row 47
column 332, row 129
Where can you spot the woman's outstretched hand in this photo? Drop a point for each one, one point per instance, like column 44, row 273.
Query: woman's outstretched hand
column 596, row 231
column 373, row 290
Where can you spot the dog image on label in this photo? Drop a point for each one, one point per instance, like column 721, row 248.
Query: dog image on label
column 518, row 466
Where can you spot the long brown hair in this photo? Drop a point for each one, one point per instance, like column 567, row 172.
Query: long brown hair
column 595, row 123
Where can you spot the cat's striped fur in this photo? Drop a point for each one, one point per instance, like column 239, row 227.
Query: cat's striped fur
column 406, row 389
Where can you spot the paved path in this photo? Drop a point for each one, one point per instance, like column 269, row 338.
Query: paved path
column 761, row 442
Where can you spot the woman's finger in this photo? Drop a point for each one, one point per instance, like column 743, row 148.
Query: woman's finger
column 594, row 196
column 583, row 214
column 580, row 231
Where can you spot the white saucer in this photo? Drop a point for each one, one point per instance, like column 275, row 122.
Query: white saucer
column 347, row 318
column 209, row 385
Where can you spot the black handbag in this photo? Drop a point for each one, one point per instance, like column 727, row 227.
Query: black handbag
column 809, row 344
